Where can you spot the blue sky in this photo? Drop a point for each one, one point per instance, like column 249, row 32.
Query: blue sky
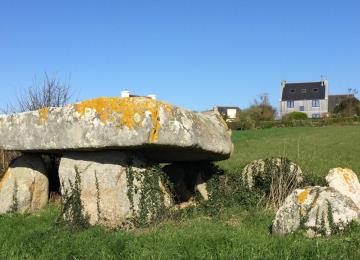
column 193, row 53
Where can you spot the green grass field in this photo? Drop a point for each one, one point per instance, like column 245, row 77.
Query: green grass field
column 235, row 233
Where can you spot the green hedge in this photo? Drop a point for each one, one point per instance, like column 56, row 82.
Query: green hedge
column 295, row 123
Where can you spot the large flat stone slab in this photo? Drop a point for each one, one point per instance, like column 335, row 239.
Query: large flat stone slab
column 160, row 131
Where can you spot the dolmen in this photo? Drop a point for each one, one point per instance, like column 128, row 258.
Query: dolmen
column 110, row 150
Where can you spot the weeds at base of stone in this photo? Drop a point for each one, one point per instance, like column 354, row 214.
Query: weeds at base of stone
column 15, row 203
column 151, row 208
column 72, row 209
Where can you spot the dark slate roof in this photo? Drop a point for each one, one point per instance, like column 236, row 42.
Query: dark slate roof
column 224, row 109
column 303, row 91
column 335, row 100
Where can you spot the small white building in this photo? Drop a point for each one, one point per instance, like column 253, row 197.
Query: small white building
column 310, row 98
column 229, row 114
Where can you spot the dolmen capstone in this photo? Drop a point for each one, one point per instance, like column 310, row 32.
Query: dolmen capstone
column 110, row 149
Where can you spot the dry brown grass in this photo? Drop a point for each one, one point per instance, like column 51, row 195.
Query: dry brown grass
column 6, row 157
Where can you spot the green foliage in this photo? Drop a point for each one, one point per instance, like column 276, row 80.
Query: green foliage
column 234, row 234
column 145, row 184
column 275, row 181
column 253, row 116
column 131, row 188
column 297, row 116
column 226, row 189
column 246, row 123
column 98, row 209
column 72, row 208
column 15, row 203
column 348, row 107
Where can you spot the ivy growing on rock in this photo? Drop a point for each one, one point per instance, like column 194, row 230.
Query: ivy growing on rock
column 149, row 205
column 97, row 186
column 72, row 208
column 15, row 203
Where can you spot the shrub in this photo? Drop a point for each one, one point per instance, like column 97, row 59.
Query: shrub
column 348, row 107
column 226, row 189
column 297, row 116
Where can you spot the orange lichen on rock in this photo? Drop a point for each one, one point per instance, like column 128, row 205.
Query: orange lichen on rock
column 303, row 196
column 43, row 115
column 131, row 111
column 346, row 178
column 104, row 107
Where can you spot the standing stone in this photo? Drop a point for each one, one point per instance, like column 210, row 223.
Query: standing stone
column 117, row 189
column 261, row 171
column 25, row 186
column 316, row 210
column 275, row 178
column 346, row 182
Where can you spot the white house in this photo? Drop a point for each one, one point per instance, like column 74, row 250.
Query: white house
column 309, row 97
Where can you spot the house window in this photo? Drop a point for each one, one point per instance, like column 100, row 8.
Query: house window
column 303, row 91
column 290, row 104
column 292, row 91
column 316, row 103
column 315, row 90
column 302, row 108
column 317, row 115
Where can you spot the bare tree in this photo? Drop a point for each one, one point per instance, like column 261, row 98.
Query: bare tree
column 50, row 92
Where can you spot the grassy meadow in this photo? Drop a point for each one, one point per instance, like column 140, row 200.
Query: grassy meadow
column 234, row 233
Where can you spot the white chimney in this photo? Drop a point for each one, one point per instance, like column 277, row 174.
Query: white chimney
column 152, row 96
column 125, row 93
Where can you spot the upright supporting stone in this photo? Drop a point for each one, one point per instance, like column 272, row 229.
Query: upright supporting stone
column 117, row 189
column 25, row 186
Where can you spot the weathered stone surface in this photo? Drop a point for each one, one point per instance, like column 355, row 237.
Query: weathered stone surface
column 316, row 210
column 24, row 187
column 261, row 171
column 346, row 182
column 112, row 192
column 162, row 132
column 275, row 178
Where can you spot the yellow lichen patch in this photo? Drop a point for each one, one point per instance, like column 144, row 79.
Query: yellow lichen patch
column 131, row 111
column 303, row 196
column 43, row 115
column 346, row 178
column 302, row 212
column 104, row 107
